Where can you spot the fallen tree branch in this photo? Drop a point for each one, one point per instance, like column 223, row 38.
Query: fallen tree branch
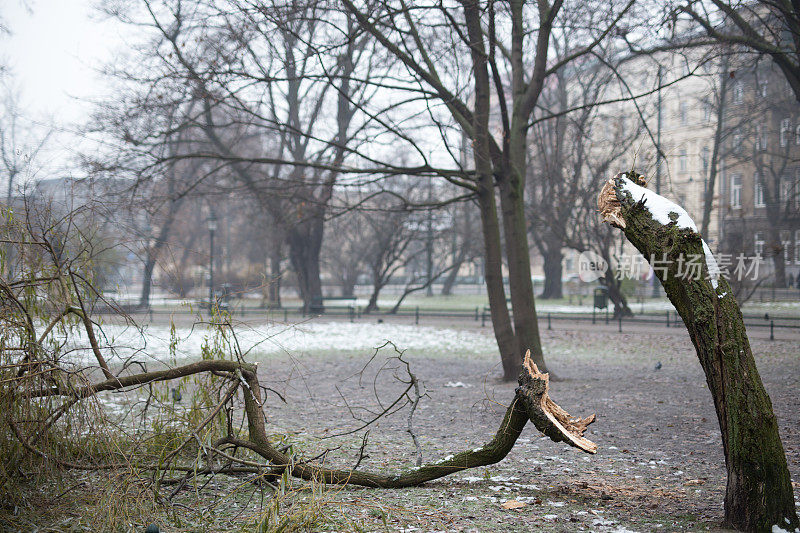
column 531, row 402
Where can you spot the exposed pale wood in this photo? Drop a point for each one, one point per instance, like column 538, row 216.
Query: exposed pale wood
column 548, row 417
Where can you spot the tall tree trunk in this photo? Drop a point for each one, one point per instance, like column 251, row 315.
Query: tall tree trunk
column 377, row 285
column 526, row 325
column 777, row 251
column 154, row 251
column 450, row 280
column 552, row 270
column 507, row 339
column 493, row 275
column 708, row 200
column 305, row 243
column 759, row 491
column 275, row 274
column 511, row 179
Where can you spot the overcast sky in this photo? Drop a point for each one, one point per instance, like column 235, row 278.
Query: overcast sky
column 54, row 51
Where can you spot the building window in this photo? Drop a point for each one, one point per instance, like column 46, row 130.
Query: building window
column 708, row 111
column 786, row 127
column 797, row 247
column 736, row 142
column 683, row 113
column 736, row 191
column 705, row 159
column 759, row 243
column 787, row 191
column 758, row 196
column 761, row 137
column 738, row 93
column 786, row 241
column 682, row 160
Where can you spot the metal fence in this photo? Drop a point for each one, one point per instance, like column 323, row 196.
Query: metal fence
column 480, row 315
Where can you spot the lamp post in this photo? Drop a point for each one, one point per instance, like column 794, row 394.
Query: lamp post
column 212, row 227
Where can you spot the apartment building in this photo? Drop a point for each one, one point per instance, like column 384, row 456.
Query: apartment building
column 760, row 208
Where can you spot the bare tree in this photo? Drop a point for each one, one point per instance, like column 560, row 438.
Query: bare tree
column 20, row 142
column 270, row 80
column 761, row 27
column 462, row 247
column 560, row 155
column 495, row 90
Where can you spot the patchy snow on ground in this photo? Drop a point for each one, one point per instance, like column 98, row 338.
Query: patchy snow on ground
column 153, row 342
column 542, row 307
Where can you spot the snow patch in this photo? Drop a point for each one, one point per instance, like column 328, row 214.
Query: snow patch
column 119, row 342
column 457, row 384
column 502, row 479
column 661, row 209
column 659, row 206
column 711, row 263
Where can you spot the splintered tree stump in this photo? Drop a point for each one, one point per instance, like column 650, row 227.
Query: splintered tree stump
column 546, row 415
column 759, row 491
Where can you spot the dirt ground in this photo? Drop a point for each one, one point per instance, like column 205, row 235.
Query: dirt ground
column 659, row 467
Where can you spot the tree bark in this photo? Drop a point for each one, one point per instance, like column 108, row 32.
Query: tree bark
column 777, row 251
column 493, row 275
column 759, row 491
column 372, row 304
column 274, row 281
column 526, row 325
column 305, row 242
column 508, row 340
column 552, row 272
column 153, row 252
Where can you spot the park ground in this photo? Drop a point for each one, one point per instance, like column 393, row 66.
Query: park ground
column 659, row 467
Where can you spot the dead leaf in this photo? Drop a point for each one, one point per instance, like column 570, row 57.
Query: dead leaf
column 693, row 482
column 512, row 504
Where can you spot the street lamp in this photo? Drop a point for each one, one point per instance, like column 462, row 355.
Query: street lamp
column 212, row 227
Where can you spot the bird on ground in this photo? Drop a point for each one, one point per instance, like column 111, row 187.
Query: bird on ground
column 658, row 365
column 176, row 395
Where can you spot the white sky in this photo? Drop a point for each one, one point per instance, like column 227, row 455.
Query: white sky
column 54, row 52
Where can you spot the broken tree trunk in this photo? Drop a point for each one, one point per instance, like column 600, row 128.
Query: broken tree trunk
column 759, row 491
